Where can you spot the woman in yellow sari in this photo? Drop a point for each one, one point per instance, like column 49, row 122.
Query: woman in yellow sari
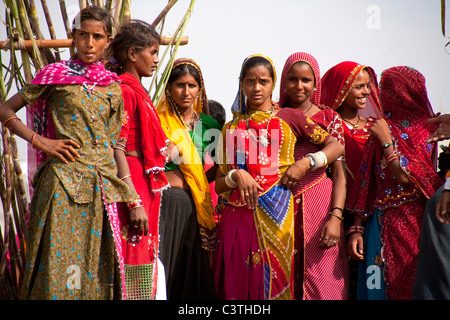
column 187, row 223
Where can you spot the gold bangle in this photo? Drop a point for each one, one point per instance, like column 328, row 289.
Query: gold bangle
column 337, row 215
column 12, row 125
column 6, row 121
column 32, row 139
column 126, row 176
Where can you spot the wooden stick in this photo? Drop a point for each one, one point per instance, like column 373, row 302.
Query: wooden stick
column 65, row 43
column 164, row 12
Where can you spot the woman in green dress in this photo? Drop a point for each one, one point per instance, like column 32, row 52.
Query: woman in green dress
column 73, row 218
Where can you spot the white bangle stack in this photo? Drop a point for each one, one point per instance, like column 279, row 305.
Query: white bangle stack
column 317, row 159
column 229, row 179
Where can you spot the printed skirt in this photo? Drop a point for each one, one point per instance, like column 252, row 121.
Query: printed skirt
column 70, row 246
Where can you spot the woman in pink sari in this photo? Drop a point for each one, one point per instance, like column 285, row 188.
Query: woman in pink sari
column 320, row 263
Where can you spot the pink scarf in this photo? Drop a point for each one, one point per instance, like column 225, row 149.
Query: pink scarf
column 309, row 59
column 59, row 73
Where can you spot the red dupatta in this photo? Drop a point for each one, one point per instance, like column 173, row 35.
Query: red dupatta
column 337, row 83
column 153, row 137
column 406, row 107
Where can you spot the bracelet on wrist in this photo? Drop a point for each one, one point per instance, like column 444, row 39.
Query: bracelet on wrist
column 12, row 125
column 387, row 145
column 317, row 160
column 353, row 229
column 447, row 183
column 32, row 139
column 134, row 204
column 229, row 180
column 337, row 215
column 126, row 176
column 8, row 120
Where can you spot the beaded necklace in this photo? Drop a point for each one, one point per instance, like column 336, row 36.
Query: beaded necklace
column 263, row 138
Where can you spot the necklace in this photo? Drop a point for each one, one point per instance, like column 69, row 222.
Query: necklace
column 194, row 115
column 190, row 125
column 305, row 112
column 355, row 125
column 263, row 138
column 91, row 88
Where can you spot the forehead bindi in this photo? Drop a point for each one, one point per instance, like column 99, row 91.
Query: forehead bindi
column 186, row 79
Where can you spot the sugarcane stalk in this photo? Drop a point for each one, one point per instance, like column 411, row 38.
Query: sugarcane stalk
column 19, row 184
column 12, row 5
column 82, row 4
column 117, row 11
column 50, row 26
column 36, row 55
column 108, row 5
column 443, row 17
column 6, row 197
column 178, row 33
column 62, row 6
column 163, row 13
column 34, row 18
column 126, row 11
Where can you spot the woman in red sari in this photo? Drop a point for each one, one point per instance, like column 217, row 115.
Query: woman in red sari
column 141, row 155
column 320, row 268
column 351, row 89
column 393, row 186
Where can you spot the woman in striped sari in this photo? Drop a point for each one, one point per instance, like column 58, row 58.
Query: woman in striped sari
column 320, row 268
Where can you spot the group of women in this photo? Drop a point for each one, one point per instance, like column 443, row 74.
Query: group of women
column 122, row 206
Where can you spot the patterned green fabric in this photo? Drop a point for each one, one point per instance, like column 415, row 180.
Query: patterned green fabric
column 70, row 247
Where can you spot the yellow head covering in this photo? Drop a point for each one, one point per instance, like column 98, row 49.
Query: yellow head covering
column 190, row 163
